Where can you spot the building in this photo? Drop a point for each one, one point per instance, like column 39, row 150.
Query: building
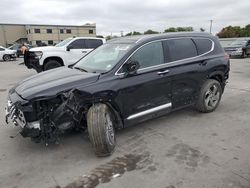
column 37, row 34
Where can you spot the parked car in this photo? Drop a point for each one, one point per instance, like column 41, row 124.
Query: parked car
column 65, row 53
column 239, row 47
column 123, row 82
column 17, row 47
column 7, row 54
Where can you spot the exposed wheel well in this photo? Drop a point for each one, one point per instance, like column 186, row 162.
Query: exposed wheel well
column 217, row 77
column 53, row 58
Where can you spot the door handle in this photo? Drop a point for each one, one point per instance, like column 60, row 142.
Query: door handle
column 163, row 72
column 84, row 51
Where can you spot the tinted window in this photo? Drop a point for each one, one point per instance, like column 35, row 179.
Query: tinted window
column 93, row 43
column 78, row 44
column 1, row 49
column 68, row 30
column 61, row 31
column 181, row 48
column 203, row 45
column 49, row 30
column 91, row 31
column 37, row 30
column 149, row 55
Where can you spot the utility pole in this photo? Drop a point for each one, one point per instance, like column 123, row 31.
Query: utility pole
column 211, row 25
column 121, row 33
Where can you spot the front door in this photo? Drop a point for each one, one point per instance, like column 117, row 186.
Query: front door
column 147, row 93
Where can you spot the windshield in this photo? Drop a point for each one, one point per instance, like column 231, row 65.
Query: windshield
column 239, row 42
column 103, row 58
column 60, row 44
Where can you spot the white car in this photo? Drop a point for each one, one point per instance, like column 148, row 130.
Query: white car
column 6, row 54
column 64, row 53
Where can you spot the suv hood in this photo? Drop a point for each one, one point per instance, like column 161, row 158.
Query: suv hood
column 52, row 82
column 45, row 48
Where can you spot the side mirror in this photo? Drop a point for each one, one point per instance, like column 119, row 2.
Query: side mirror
column 69, row 47
column 131, row 67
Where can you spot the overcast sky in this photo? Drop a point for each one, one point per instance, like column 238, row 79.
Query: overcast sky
column 128, row 15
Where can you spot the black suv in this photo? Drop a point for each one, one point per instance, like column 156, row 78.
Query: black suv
column 126, row 81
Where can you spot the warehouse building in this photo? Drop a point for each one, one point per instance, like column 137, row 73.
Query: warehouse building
column 38, row 34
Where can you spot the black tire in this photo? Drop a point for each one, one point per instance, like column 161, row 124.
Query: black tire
column 51, row 64
column 100, row 122
column 6, row 57
column 209, row 96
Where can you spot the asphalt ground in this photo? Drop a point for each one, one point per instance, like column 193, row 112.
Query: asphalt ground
column 184, row 149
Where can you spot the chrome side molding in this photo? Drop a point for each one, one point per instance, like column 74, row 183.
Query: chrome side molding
column 149, row 111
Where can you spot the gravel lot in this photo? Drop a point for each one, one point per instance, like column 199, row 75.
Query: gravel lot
column 184, row 149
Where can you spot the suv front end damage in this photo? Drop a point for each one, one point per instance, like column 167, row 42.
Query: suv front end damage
column 44, row 119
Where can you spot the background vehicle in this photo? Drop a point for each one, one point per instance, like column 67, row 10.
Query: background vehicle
column 65, row 53
column 239, row 47
column 6, row 54
column 123, row 82
column 17, row 47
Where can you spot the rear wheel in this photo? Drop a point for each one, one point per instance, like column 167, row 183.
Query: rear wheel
column 101, row 131
column 51, row 64
column 6, row 57
column 209, row 97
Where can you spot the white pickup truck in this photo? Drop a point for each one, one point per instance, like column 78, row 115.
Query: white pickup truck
column 64, row 53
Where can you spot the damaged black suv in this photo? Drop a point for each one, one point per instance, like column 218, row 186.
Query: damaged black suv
column 126, row 81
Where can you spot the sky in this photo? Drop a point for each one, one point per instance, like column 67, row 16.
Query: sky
column 114, row 16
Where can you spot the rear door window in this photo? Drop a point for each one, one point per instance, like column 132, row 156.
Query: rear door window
column 203, row 45
column 182, row 48
column 93, row 43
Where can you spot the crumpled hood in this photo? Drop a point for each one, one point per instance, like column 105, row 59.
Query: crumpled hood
column 52, row 82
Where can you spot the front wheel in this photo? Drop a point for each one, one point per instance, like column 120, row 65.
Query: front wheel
column 209, row 96
column 51, row 64
column 100, row 122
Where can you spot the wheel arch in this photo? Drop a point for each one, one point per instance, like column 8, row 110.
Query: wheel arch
column 59, row 59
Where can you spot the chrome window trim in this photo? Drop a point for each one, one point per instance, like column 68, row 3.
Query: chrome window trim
column 149, row 111
column 169, row 63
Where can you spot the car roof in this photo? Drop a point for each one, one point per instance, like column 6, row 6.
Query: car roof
column 146, row 38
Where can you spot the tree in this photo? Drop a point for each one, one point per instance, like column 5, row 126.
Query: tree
column 171, row 29
column 234, row 31
column 133, row 33
column 150, row 32
column 178, row 29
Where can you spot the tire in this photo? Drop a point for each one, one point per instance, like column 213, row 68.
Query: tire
column 100, row 122
column 6, row 57
column 51, row 64
column 209, row 96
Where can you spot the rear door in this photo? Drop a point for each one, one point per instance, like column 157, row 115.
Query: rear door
column 187, row 71
column 148, row 92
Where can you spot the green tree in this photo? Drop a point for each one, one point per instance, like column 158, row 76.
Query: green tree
column 150, row 32
column 178, row 29
column 234, row 31
column 133, row 33
column 171, row 29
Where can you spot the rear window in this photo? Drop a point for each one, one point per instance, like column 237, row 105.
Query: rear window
column 181, row 48
column 203, row 45
column 93, row 43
